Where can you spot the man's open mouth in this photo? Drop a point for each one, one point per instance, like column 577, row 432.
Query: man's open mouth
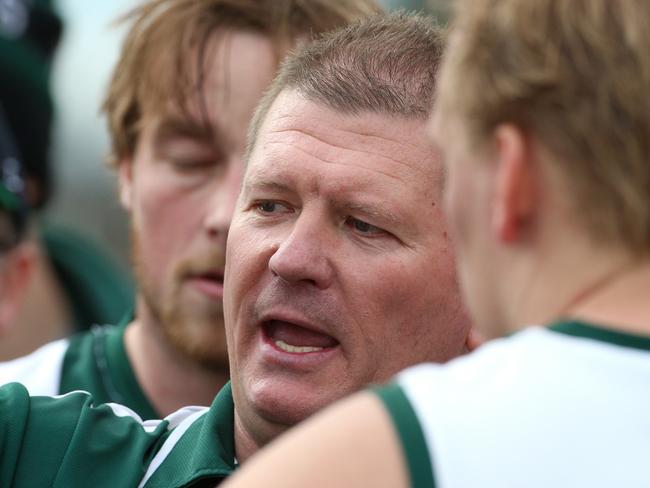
column 296, row 339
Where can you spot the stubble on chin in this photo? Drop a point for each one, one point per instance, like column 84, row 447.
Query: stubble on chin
column 196, row 330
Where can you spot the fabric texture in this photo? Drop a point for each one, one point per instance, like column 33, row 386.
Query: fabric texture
column 93, row 361
column 71, row 441
column 562, row 406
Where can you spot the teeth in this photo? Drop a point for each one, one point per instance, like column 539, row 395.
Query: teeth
column 289, row 348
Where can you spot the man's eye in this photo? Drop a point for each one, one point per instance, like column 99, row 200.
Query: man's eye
column 270, row 207
column 364, row 228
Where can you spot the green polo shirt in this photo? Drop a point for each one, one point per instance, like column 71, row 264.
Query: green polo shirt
column 96, row 362
column 71, row 441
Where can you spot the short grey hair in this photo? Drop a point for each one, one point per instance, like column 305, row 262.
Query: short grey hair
column 385, row 64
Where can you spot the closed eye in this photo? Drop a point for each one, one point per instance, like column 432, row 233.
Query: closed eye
column 183, row 165
column 187, row 154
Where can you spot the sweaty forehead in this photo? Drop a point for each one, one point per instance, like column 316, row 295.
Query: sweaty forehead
column 299, row 128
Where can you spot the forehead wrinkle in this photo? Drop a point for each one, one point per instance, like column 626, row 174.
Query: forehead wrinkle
column 354, row 149
column 409, row 165
column 375, row 136
column 334, row 163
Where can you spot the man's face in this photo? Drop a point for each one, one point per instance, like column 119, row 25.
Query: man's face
column 181, row 187
column 339, row 271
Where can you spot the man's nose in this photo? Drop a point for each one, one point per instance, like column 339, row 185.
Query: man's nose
column 223, row 202
column 304, row 255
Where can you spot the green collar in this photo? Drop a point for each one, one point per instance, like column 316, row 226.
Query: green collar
column 582, row 329
column 206, row 451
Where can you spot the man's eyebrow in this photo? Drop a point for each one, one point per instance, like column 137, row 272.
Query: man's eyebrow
column 380, row 213
column 259, row 183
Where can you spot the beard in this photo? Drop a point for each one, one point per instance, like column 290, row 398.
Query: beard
column 192, row 324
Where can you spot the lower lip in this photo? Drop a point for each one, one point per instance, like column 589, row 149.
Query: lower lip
column 301, row 361
column 211, row 288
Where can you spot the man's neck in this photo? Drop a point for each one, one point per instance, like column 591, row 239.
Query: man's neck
column 599, row 285
column 168, row 378
column 245, row 444
column 622, row 304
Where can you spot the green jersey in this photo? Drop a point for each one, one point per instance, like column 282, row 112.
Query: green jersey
column 94, row 361
column 72, row 441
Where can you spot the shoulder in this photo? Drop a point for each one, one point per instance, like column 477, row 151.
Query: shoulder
column 536, row 395
column 85, row 361
column 39, row 371
column 70, row 441
column 355, row 447
column 498, row 364
column 512, row 371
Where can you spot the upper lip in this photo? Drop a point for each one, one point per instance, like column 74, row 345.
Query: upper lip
column 296, row 318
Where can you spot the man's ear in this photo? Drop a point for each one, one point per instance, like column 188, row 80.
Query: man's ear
column 515, row 196
column 125, row 182
column 474, row 339
column 15, row 276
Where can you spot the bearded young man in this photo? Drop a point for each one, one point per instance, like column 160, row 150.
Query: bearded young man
column 543, row 120
column 185, row 87
column 335, row 237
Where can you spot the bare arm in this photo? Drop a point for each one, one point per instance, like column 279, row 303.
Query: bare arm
column 350, row 444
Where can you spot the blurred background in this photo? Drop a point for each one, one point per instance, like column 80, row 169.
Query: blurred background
column 85, row 196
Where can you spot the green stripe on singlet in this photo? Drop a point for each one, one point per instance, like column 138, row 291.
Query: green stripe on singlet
column 410, row 433
column 599, row 333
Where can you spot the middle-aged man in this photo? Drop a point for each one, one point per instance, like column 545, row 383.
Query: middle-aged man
column 543, row 118
column 339, row 273
column 179, row 104
column 339, row 268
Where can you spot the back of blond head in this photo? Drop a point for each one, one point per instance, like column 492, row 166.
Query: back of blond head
column 575, row 74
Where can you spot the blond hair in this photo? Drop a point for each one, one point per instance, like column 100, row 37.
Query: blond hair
column 576, row 75
column 384, row 64
column 161, row 62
